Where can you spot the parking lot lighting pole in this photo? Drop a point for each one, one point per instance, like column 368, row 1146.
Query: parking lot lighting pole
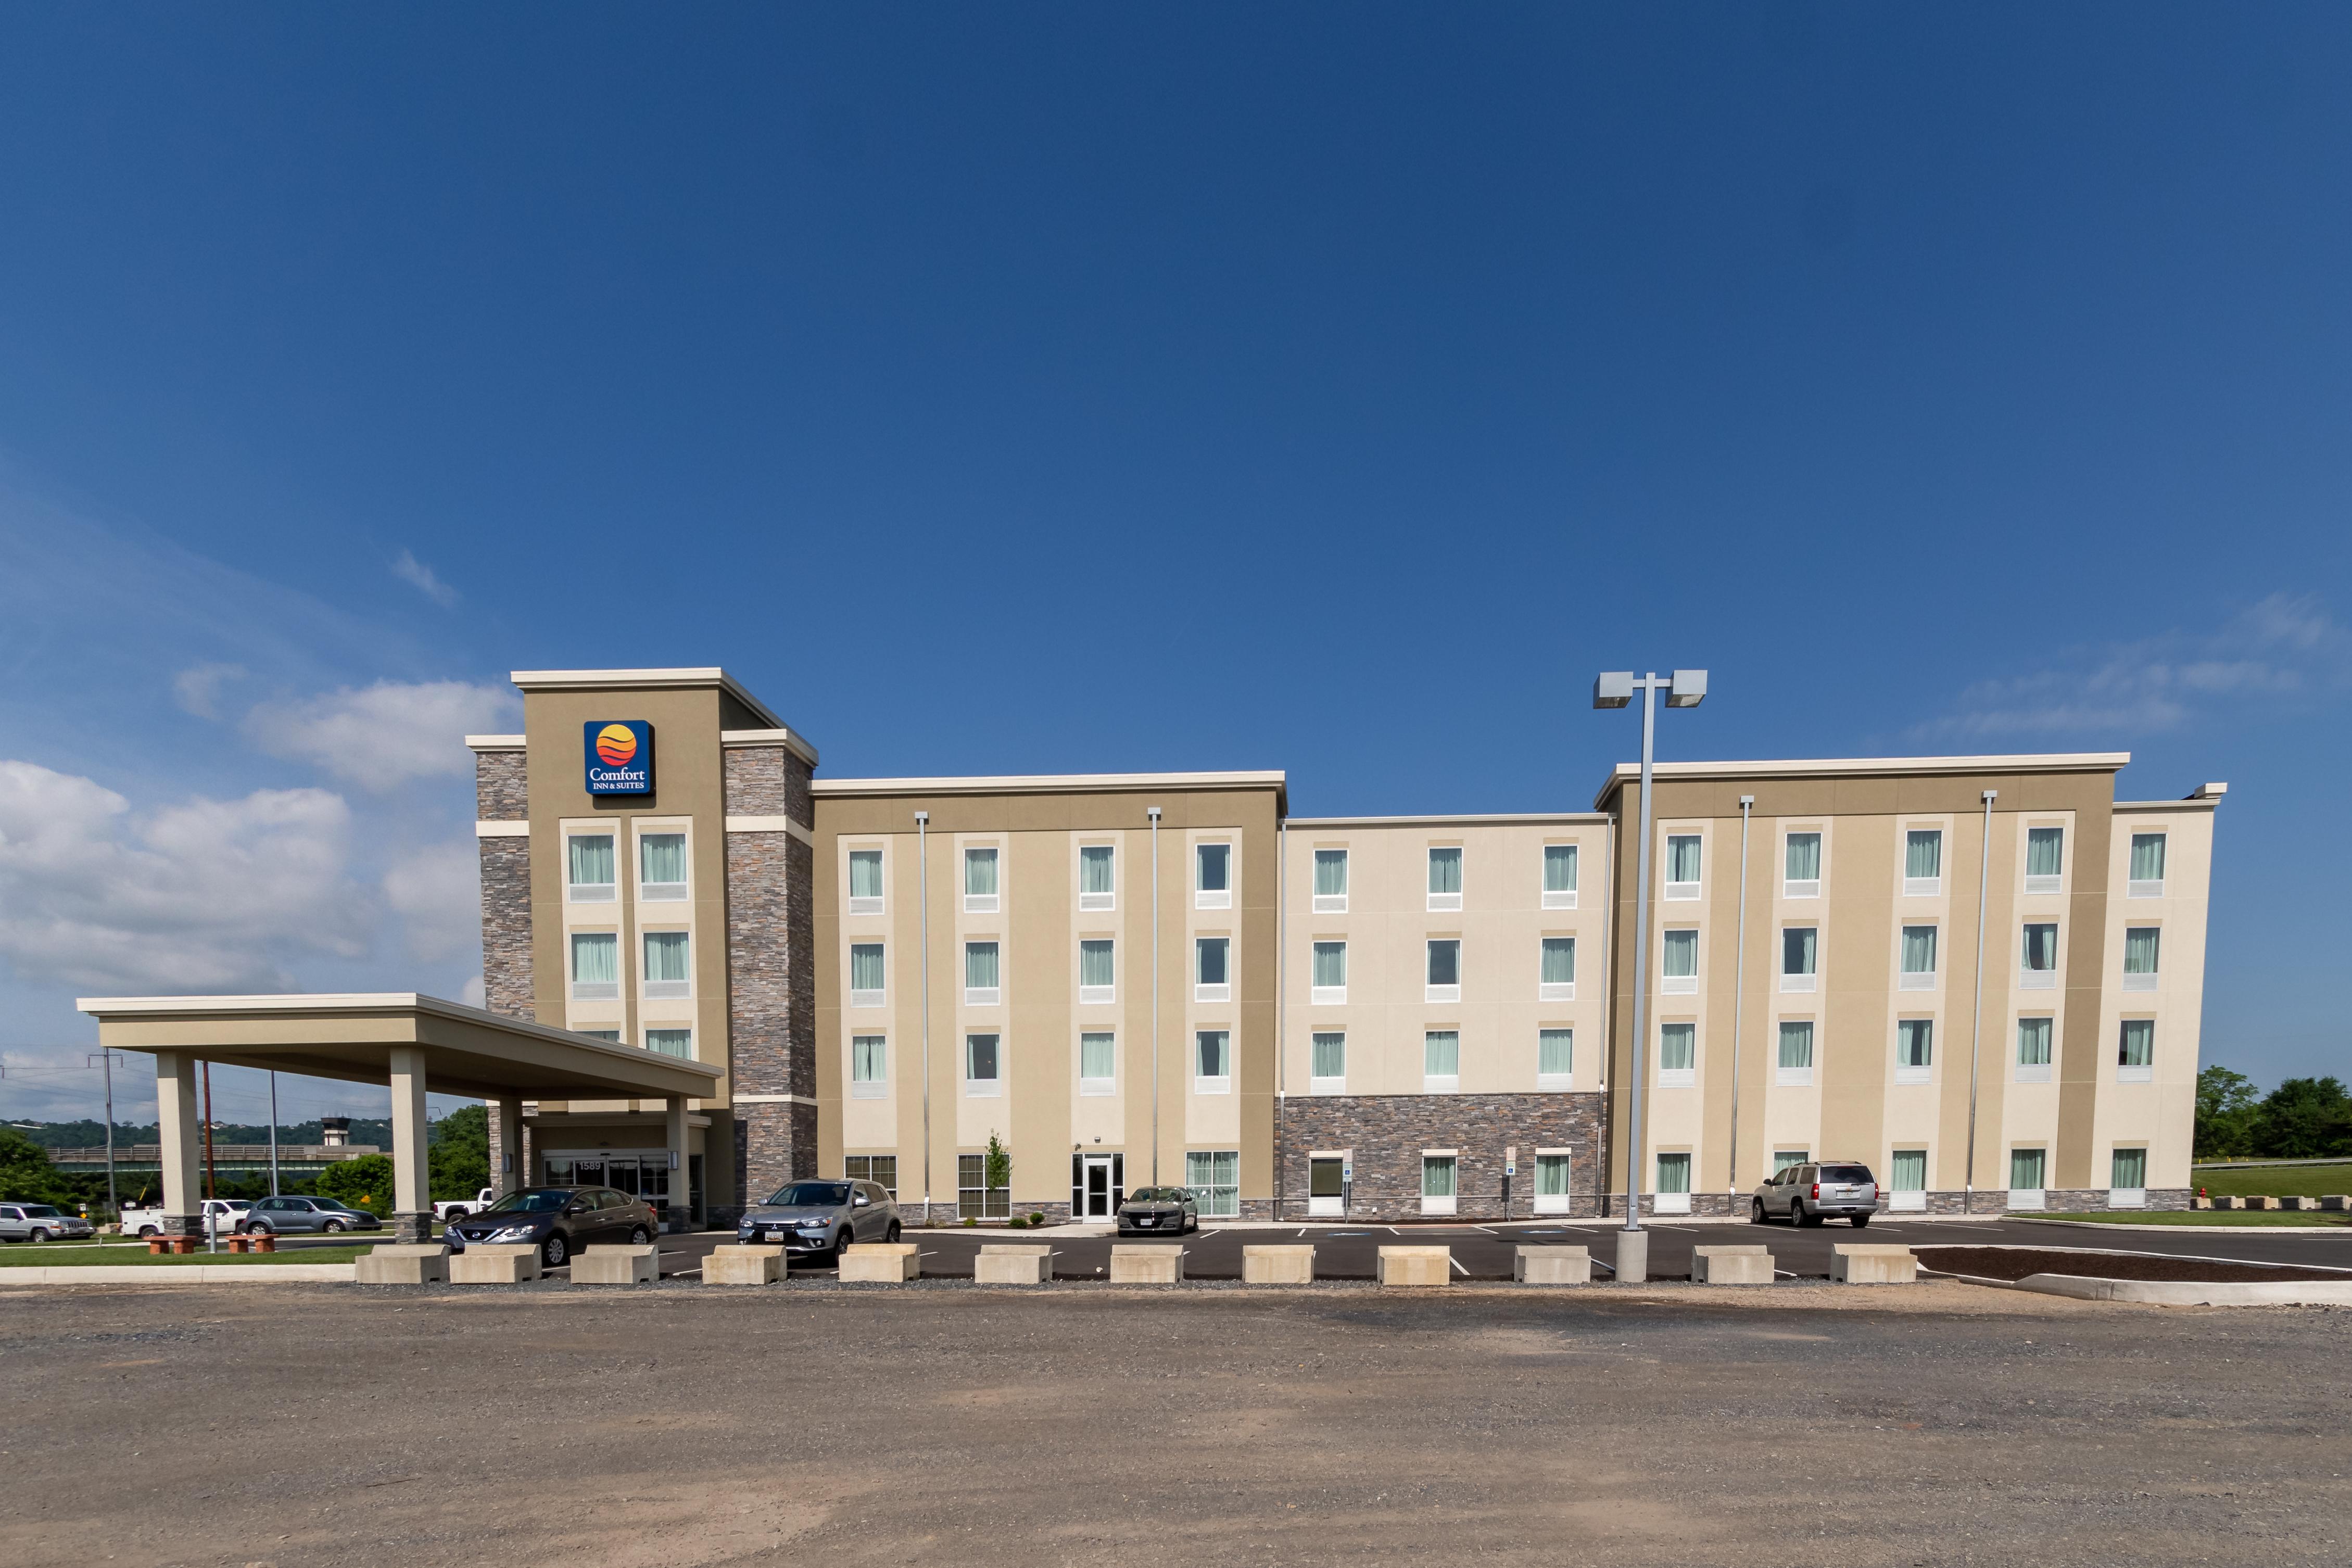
column 1615, row 689
column 273, row 1133
column 1153, row 812
column 923, row 914
column 106, row 1066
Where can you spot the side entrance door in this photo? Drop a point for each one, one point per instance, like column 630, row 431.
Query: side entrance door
column 1326, row 1190
column 1097, row 1188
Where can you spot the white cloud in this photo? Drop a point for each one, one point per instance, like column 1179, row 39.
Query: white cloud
column 198, row 688
column 2285, row 649
column 381, row 736
column 437, row 892
column 420, row 577
column 206, row 896
column 475, row 992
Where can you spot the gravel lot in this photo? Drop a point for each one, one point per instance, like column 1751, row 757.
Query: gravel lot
column 683, row 1425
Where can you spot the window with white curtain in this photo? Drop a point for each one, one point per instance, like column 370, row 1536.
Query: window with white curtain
column 1923, row 862
column 1213, row 877
column 2127, row 1172
column 2136, row 1056
column 866, row 881
column 1800, row 957
column 1216, row 1175
column 1802, row 866
column 2025, row 1168
column 666, row 974
column 1784, row 1158
column 2146, row 879
column 1678, row 971
column 1552, row 1177
column 1445, row 970
column 1440, row 1061
column 1682, row 865
column 2139, row 957
column 982, row 1064
column 980, row 881
column 1673, row 1175
column 1559, row 877
column 661, row 867
column 1677, row 1056
column 982, row 975
column 1557, row 982
column 1097, row 876
column 1918, row 958
column 1328, row 1068
column 1330, row 979
column 865, row 974
column 1445, row 878
column 1330, row 881
column 670, row 1042
column 1555, row 1058
column 595, row 966
column 1213, row 1061
column 2045, row 858
column 1098, row 1062
column 590, row 867
column 1097, row 971
column 2033, row 1046
column 2038, row 961
column 1907, row 1180
column 1213, row 978
column 869, row 1067
column 1914, row 1049
column 1440, row 1175
column 1796, row 1068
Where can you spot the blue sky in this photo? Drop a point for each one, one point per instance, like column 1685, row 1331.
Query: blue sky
column 1332, row 388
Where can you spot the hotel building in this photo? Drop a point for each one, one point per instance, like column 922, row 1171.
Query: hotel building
column 1124, row 979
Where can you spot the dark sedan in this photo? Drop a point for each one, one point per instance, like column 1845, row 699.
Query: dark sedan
column 558, row 1221
column 1159, row 1211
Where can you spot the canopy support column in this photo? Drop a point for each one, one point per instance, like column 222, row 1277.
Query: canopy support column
column 176, row 1119
column 511, row 1171
column 412, row 1172
column 681, row 1189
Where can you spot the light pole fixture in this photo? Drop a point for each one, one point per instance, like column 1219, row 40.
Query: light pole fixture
column 1615, row 689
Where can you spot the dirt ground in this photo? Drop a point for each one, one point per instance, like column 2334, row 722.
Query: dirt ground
column 684, row 1425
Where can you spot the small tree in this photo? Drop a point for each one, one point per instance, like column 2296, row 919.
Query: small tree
column 25, row 1174
column 996, row 1171
column 364, row 1182
column 461, row 1155
column 2225, row 1114
column 2305, row 1119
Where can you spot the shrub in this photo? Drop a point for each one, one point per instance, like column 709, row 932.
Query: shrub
column 1037, row 1218
column 1016, row 1222
column 969, row 1222
column 364, row 1182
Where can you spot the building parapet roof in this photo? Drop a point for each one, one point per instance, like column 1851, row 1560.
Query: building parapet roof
column 644, row 680
column 1868, row 767
column 1048, row 784
column 1490, row 819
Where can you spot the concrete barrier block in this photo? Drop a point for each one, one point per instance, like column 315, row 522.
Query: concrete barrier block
column 741, row 1264
column 1014, row 1266
column 2261, row 1202
column 2201, row 1203
column 1147, row 1265
column 1553, row 1266
column 409, row 1263
column 2336, row 1201
column 881, row 1263
column 1417, row 1266
column 494, row 1265
column 1730, row 1266
column 1852, row 1263
column 2227, row 1202
column 619, row 1265
column 1278, row 1265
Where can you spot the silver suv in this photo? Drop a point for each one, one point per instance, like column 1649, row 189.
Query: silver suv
column 823, row 1217
column 39, row 1222
column 1810, row 1194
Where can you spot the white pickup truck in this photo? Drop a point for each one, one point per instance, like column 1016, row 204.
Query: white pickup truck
column 222, row 1216
column 458, row 1208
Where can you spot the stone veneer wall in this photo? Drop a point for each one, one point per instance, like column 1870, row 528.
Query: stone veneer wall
column 1387, row 1133
column 771, row 977
column 501, row 794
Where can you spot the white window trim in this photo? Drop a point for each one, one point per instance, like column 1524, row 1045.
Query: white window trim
column 1098, row 995
column 1444, row 903
column 1909, row 1200
column 1219, row 1085
column 1560, row 898
column 983, row 903
column 1925, row 887
column 2037, row 980
column 1556, row 991
column 984, row 1089
column 2127, row 1197
column 592, row 990
column 872, row 903
column 1678, row 1077
column 1327, row 1085
column 663, row 893
column 1327, row 903
column 1098, row 904
column 665, row 990
column 1796, row 985
column 2149, row 890
column 2044, row 884
column 1441, row 994
column 2135, row 1074
column 1326, row 995
column 1672, row 1203
column 1441, row 1083
column 2141, row 982
column 1809, row 888
column 2034, row 1073
column 2028, row 1197
column 1214, row 897
column 1794, row 1078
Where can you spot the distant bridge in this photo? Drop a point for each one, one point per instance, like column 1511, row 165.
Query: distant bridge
column 293, row 1159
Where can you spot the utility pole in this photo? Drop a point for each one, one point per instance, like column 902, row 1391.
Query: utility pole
column 105, row 1061
column 212, row 1227
column 273, row 1133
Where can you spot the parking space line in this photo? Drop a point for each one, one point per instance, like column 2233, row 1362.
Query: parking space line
column 1457, row 1264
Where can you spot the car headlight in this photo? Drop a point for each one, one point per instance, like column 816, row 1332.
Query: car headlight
column 511, row 1233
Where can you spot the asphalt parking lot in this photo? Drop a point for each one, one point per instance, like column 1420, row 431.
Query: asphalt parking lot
column 679, row 1425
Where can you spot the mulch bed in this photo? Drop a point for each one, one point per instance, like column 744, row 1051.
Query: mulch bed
column 2016, row 1262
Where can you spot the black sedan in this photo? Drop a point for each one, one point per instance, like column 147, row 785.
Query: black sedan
column 1159, row 1211
column 558, row 1221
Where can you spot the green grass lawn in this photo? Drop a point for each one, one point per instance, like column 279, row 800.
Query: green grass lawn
column 2214, row 1218
column 65, row 1254
column 2275, row 1181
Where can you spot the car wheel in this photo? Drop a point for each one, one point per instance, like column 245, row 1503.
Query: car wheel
column 1756, row 1211
column 1797, row 1212
column 258, row 1228
column 892, row 1233
column 554, row 1252
column 638, row 1236
column 332, row 1228
column 1860, row 1220
column 39, row 1235
column 147, row 1230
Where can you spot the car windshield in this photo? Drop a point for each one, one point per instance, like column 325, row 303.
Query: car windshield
column 531, row 1200
column 807, row 1194
column 1845, row 1172
column 1156, row 1195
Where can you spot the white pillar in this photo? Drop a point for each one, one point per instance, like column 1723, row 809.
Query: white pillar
column 681, row 1191
column 411, row 1174
column 175, row 1118
column 515, row 1173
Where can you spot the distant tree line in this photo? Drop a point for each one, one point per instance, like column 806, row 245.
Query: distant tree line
column 2302, row 1119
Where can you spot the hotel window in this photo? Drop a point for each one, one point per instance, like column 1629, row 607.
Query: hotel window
column 1784, row 1158
column 2136, row 1056
column 1796, row 1054
column 1801, row 873
column 1098, row 1063
column 1440, row 1176
column 984, row 977
column 670, row 1042
column 1914, row 1049
column 1213, row 1061
column 1440, row 1061
column 595, row 966
column 1097, row 876
column 2127, row 1178
column 982, row 1066
column 1213, row 876
column 590, row 867
column 1557, row 981
column 1445, row 970
column 1923, row 862
column 1551, row 1183
column 980, row 882
column 882, row 1170
column 2038, row 961
column 1097, row 971
column 1330, row 984
column 869, row 1067
column 866, row 881
column 1918, row 958
column 1800, row 956
column 665, row 966
column 1907, row 1180
column 975, row 1199
column 2025, row 1177
column 1673, row 1184
column 1446, row 878
column 1328, row 1068
column 2045, row 858
column 1559, row 877
column 1677, row 1056
column 1555, row 1058
column 1682, row 865
column 1680, row 969
column 865, row 974
column 661, row 867
column 1330, row 881
column 1213, row 978
column 2147, row 867
column 2033, row 1039
column 1216, row 1175
column 2139, row 957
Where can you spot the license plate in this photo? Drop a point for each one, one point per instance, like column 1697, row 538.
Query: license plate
column 1142, row 1224
column 775, row 1235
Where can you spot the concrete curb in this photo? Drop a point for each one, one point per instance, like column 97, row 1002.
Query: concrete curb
column 2322, row 1232
column 185, row 1273
column 2173, row 1293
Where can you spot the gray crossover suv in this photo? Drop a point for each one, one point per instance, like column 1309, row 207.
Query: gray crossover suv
column 822, row 1218
column 1808, row 1194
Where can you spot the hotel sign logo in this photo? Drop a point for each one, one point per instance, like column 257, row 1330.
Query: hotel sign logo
column 620, row 756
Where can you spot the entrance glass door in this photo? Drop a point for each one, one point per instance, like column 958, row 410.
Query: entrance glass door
column 1325, row 1190
column 1097, row 1186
